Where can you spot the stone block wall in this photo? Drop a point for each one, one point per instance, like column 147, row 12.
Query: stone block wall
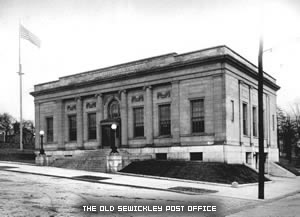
column 211, row 90
column 223, row 84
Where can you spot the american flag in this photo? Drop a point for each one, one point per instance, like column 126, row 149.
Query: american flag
column 26, row 34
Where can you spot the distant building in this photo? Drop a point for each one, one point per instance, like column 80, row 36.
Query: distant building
column 200, row 105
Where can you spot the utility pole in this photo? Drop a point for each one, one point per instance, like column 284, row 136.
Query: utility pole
column 261, row 178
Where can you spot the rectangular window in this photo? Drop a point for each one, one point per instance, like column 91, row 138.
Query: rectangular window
column 248, row 157
column 72, row 128
column 92, row 129
column 232, row 111
column 138, row 121
column 49, row 127
column 161, row 156
column 196, row 156
column 245, row 119
column 164, row 120
column 197, row 116
column 254, row 114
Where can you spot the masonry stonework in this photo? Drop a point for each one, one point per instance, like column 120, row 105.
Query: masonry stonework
column 164, row 88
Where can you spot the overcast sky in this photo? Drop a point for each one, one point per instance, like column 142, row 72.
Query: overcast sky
column 78, row 36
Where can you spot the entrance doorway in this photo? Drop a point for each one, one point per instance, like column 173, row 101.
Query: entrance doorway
column 110, row 137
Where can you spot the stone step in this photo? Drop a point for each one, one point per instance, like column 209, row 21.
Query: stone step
column 97, row 165
column 92, row 153
column 90, row 160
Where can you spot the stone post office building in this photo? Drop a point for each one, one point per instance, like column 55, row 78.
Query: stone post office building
column 200, row 105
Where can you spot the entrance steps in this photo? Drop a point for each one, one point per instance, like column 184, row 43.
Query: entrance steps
column 89, row 160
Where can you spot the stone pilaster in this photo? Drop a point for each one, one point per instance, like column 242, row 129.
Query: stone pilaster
column 59, row 123
column 175, row 114
column 99, row 118
column 124, row 118
column 251, row 119
column 37, row 125
column 85, row 123
column 148, row 125
column 268, row 120
column 251, row 115
column 240, row 113
column 79, row 121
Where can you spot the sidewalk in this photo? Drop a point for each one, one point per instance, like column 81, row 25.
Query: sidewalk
column 280, row 187
column 288, row 206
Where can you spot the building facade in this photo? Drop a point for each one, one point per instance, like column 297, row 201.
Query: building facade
column 200, row 105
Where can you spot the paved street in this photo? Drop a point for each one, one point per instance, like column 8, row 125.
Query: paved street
column 57, row 192
column 34, row 195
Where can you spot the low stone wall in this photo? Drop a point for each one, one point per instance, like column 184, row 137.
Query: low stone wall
column 43, row 160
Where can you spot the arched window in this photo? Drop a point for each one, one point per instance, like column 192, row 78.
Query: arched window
column 114, row 109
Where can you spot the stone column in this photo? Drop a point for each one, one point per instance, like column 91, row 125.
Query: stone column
column 148, row 125
column 85, row 124
column 175, row 114
column 240, row 113
column 268, row 120
column 59, row 123
column 251, row 115
column 124, row 118
column 37, row 125
column 251, row 120
column 242, row 148
column 79, row 121
column 99, row 118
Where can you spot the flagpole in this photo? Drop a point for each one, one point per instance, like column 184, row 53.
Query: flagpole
column 25, row 34
column 20, row 75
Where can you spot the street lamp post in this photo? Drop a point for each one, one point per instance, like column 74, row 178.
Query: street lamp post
column 113, row 146
column 42, row 151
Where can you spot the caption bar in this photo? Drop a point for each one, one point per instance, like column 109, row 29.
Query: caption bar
column 131, row 208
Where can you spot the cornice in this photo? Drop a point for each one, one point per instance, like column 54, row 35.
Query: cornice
column 226, row 58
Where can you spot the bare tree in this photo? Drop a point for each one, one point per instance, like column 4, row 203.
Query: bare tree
column 289, row 130
column 28, row 132
column 6, row 122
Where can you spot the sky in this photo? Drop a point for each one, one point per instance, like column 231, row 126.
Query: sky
column 78, row 36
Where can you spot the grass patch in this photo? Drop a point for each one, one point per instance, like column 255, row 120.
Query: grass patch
column 25, row 156
column 198, row 171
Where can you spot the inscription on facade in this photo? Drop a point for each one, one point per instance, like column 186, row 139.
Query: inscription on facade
column 90, row 105
column 71, row 108
column 138, row 98
column 163, row 95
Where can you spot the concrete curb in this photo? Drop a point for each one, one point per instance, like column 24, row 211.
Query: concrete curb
column 100, row 182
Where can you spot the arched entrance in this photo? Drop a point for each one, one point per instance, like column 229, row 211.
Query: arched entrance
column 111, row 137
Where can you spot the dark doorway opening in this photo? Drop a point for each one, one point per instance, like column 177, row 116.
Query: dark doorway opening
column 110, row 137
